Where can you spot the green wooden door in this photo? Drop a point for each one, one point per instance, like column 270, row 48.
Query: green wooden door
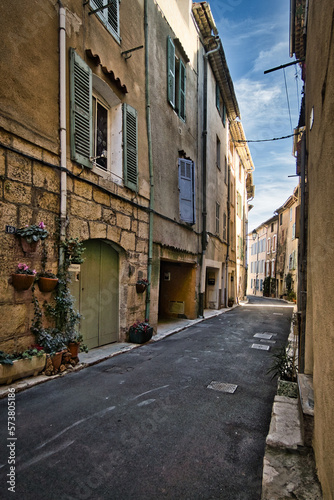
column 98, row 294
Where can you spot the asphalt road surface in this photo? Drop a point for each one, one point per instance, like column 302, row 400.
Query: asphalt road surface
column 182, row 418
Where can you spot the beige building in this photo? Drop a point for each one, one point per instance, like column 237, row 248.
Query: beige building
column 74, row 149
column 311, row 37
column 257, row 256
column 118, row 135
column 287, row 249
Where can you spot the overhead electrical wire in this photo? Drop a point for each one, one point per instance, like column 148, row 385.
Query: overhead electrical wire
column 268, row 140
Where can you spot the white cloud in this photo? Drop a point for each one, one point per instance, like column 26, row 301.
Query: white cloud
column 271, row 58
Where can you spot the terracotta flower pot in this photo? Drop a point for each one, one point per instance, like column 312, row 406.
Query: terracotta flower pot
column 140, row 287
column 74, row 348
column 47, row 284
column 56, row 359
column 22, row 282
column 28, row 247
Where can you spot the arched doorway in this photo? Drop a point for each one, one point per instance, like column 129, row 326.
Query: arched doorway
column 97, row 294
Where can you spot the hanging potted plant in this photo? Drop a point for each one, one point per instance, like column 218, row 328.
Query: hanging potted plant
column 141, row 285
column 23, row 277
column 140, row 332
column 46, row 281
column 31, row 235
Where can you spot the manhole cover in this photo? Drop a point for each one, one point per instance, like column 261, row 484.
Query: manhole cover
column 263, row 336
column 261, row 347
column 222, row 387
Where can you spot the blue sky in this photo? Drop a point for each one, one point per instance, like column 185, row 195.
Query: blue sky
column 255, row 37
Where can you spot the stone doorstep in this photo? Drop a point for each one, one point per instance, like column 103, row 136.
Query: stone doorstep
column 306, row 406
column 285, row 426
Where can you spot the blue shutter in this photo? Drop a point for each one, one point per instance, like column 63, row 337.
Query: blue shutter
column 81, row 110
column 171, row 71
column 130, row 147
column 182, row 91
column 187, row 190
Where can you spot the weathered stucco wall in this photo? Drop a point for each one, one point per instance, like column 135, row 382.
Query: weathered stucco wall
column 320, row 298
column 29, row 152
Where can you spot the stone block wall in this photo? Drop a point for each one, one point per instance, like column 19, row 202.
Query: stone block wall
column 96, row 209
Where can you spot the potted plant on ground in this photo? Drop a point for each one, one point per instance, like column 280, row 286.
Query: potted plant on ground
column 31, row 235
column 141, row 285
column 140, row 332
column 52, row 341
column 75, row 345
column 23, row 277
column 20, row 365
column 46, row 281
column 230, row 301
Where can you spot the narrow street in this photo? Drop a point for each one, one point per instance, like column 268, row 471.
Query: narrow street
column 147, row 424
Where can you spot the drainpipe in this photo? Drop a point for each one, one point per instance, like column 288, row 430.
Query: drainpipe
column 228, row 231
column 150, row 163
column 204, row 172
column 62, row 119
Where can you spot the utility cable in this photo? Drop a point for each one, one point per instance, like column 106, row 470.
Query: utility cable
column 287, row 97
column 268, row 140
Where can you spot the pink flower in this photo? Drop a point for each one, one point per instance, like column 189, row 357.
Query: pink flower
column 25, row 267
column 34, row 271
column 20, row 265
column 41, row 225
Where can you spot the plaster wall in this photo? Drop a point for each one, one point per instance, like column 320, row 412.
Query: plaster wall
column 320, row 298
column 97, row 208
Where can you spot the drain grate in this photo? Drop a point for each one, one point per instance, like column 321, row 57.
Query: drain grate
column 267, row 336
column 223, row 387
column 261, row 347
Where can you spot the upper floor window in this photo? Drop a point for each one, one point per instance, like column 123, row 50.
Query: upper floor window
column 176, row 80
column 104, row 132
column 217, row 218
column 224, row 226
column 218, row 152
column 187, row 190
column 239, row 205
column 220, row 105
column 108, row 12
column 268, row 245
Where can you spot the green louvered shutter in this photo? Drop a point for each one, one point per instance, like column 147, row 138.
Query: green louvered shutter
column 81, row 110
column 130, row 147
column 171, row 72
column 182, row 91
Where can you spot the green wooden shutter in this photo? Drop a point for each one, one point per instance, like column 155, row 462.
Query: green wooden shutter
column 182, row 91
column 224, row 114
column 130, row 147
column 81, row 110
column 171, row 72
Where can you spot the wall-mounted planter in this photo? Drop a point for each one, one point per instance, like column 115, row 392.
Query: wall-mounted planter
column 28, row 247
column 22, row 282
column 47, row 284
column 140, row 287
column 22, row 368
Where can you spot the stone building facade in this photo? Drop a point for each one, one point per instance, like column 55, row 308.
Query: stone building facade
column 114, row 129
column 311, row 38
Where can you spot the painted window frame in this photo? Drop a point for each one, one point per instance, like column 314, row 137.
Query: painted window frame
column 176, row 81
column 81, row 100
column 187, row 205
column 105, row 15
